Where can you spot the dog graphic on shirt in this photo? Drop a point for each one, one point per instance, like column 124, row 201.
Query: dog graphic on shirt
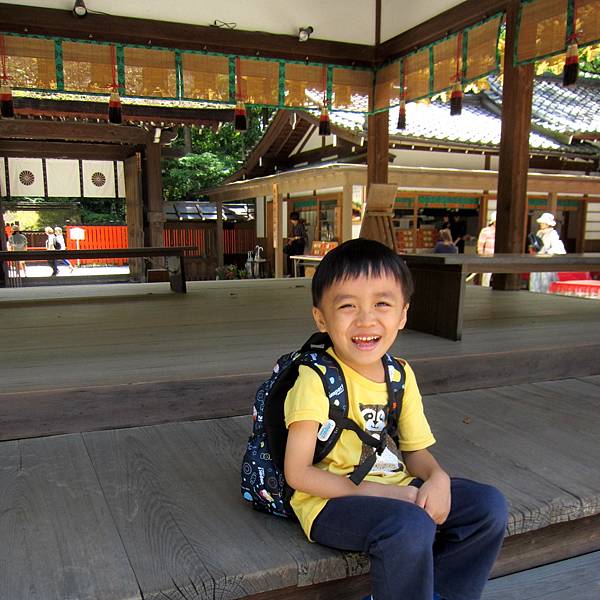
column 389, row 460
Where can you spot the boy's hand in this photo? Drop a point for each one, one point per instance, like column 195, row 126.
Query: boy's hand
column 434, row 497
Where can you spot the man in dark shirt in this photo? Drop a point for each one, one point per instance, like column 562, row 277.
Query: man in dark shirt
column 458, row 228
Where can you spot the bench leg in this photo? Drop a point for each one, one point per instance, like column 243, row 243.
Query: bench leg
column 437, row 303
column 177, row 274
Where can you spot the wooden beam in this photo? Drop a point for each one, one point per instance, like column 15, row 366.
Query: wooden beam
column 581, row 222
column 378, row 148
column 108, row 28
column 27, row 129
column 89, row 151
column 456, row 18
column 514, row 152
column 138, row 113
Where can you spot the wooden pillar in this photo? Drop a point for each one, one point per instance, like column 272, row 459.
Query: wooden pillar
column 581, row 220
column 155, row 213
column 134, row 213
column 514, row 152
column 278, row 230
column 553, row 203
column 378, row 140
column 346, row 209
column 219, row 231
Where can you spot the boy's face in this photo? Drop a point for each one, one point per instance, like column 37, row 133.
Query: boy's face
column 362, row 316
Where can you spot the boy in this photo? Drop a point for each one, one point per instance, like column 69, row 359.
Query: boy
column 420, row 528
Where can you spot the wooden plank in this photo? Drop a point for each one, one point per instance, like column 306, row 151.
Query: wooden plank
column 576, row 579
column 28, row 129
column 534, row 451
column 514, row 150
column 58, row 539
column 174, row 494
column 378, row 148
column 550, row 544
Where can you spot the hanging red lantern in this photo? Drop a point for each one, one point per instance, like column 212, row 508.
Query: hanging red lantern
column 571, row 67
column 115, row 112
column 324, row 122
column 456, row 96
column 7, row 107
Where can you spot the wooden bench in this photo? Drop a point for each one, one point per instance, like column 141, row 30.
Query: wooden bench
column 437, row 303
column 310, row 261
column 155, row 512
column 174, row 255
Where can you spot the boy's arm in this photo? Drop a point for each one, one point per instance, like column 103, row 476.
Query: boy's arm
column 434, row 494
column 303, row 476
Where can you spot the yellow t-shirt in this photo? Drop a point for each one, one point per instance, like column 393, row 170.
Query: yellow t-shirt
column 307, row 401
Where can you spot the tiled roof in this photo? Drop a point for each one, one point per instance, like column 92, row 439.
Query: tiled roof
column 563, row 110
column 555, row 109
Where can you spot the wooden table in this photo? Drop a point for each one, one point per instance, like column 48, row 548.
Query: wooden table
column 305, row 260
column 174, row 255
column 437, row 303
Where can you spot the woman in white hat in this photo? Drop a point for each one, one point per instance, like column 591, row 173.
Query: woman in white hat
column 551, row 244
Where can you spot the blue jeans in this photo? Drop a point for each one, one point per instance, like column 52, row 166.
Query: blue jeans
column 410, row 555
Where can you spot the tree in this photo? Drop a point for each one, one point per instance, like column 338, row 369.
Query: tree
column 215, row 155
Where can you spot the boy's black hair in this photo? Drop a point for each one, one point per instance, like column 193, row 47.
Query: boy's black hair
column 360, row 257
column 295, row 215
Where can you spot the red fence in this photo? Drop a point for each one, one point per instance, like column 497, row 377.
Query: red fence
column 200, row 235
column 99, row 236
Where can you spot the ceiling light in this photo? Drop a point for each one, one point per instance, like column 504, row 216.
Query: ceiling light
column 304, row 33
column 79, row 9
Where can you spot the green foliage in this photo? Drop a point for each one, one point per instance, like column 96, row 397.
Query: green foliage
column 215, row 156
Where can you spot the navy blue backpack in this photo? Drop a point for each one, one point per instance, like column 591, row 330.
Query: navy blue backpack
column 263, row 482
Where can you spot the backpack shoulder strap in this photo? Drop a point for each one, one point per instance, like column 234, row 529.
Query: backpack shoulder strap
column 395, row 379
column 334, row 386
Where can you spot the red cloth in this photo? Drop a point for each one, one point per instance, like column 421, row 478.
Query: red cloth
column 586, row 287
column 573, row 276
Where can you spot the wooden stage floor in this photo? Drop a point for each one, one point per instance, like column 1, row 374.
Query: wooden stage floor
column 140, row 498
column 93, row 357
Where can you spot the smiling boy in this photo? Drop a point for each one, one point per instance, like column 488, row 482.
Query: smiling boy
column 421, row 529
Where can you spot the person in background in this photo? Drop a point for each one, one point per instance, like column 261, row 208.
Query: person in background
column 551, row 244
column 445, row 245
column 17, row 242
column 458, row 227
column 58, row 234
column 485, row 245
column 51, row 244
column 296, row 242
column 445, row 224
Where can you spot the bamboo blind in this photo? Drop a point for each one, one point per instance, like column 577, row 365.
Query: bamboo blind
column 387, row 86
column 259, row 81
column 444, row 63
column 205, row 77
column 304, row 85
column 351, row 89
column 482, row 49
column 150, row 72
column 416, row 69
column 30, row 62
column 542, row 29
column 587, row 21
column 87, row 67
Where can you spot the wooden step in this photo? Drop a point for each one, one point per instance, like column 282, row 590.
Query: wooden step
column 574, row 579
